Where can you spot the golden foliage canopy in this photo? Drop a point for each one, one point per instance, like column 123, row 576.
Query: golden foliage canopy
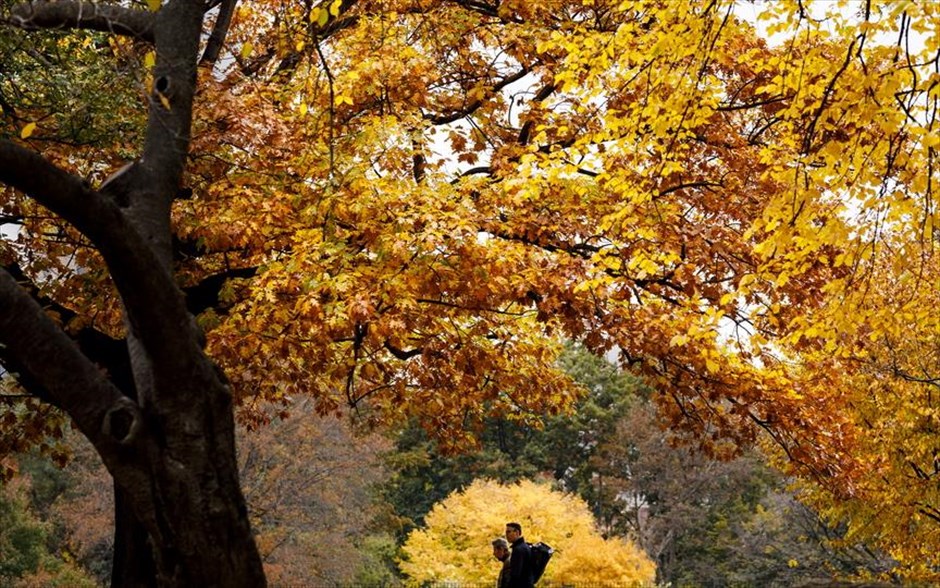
column 409, row 202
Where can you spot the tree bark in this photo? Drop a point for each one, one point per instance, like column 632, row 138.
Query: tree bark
column 132, row 564
column 181, row 515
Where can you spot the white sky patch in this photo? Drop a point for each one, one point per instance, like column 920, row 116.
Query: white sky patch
column 9, row 231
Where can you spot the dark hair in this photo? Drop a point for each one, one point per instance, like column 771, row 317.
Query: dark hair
column 515, row 526
column 500, row 542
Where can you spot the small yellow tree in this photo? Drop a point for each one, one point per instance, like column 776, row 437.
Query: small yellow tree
column 455, row 544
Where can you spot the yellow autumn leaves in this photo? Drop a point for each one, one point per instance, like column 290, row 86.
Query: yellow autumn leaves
column 454, row 545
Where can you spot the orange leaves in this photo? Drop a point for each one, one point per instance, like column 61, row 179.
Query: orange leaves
column 25, row 423
column 385, row 340
column 879, row 381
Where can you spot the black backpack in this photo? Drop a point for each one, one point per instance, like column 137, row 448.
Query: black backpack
column 541, row 553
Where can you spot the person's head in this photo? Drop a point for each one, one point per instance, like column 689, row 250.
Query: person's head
column 500, row 549
column 513, row 531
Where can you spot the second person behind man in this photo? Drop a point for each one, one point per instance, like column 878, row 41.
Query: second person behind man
column 501, row 552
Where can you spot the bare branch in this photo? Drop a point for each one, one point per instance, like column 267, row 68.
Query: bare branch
column 746, row 105
column 109, row 18
column 487, row 10
column 824, row 101
column 317, row 33
column 469, row 307
column 401, row 353
column 473, row 106
column 540, row 96
column 689, row 185
column 473, row 171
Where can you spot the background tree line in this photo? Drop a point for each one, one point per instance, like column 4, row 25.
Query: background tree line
column 333, row 503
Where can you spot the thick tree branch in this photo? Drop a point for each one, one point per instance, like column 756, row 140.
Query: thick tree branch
column 92, row 16
column 481, row 7
column 27, row 382
column 219, row 31
column 157, row 313
column 177, row 31
column 67, row 195
column 107, row 352
column 401, row 353
column 47, row 357
column 487, row 10
column 48, row 361
column 473, row 171
column 205, row 294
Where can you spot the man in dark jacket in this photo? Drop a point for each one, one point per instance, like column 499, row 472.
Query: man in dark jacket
column 520, row 562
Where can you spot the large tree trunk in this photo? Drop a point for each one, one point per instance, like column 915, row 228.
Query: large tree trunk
column 202, row 535
column 133, row 564
column 173, row 459
column 170, row 448
column 199, row 533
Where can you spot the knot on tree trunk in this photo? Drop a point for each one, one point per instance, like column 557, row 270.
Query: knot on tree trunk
column 122, row 422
